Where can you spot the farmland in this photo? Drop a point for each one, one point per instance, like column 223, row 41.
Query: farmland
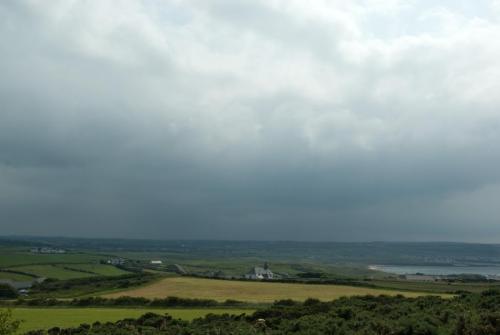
column 44, row 318
column 15, row 276
column 50, row 271
column 17, row 257
column 61, row 271
column 19, row 264
column 78, row 279
column 221, row 290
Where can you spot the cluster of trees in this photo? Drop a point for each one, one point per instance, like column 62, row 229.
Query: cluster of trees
column 467, row 314
column 128, row 301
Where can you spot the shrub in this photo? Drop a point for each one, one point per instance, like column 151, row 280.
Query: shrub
column 7, row 292
column 8, row 325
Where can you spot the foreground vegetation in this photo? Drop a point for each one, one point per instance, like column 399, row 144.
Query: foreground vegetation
column 471, row 314
column 248, row 291
column 125, row 302
column 45, row 318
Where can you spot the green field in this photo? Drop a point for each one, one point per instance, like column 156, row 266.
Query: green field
column 98, row 269
column 238, row 266
column 435, row 287
column 68, row 271
column 248, row 291
column 9, row 257
column 44, row 318
column 15, row 276
column 51, row 271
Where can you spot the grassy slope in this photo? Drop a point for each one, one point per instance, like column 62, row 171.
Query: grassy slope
column 69, row 271
column 248, row 291
column 10, row 258
column 37, row 318
column 15, row 276
column 51, row 271
column 53, row 265
column 99, row 269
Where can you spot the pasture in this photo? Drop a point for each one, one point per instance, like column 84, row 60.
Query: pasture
column 255, row 292
column 57, row 266
column 45, row 318
column 15, row 276
column 10, row 257
column 50, row 271
column 97, row 269
column 69, row 271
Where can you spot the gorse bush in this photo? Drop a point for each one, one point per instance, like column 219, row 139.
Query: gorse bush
column 8, row 325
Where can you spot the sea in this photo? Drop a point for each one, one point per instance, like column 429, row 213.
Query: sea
column 487, row 271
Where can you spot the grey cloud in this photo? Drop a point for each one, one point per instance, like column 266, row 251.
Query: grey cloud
column 247, row 120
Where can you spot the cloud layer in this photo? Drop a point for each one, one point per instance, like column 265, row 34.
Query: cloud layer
column 322, row 120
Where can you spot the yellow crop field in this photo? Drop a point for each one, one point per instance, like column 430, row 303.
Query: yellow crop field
column 221, row 290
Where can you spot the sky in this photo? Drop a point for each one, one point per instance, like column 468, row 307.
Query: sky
column 314, row 120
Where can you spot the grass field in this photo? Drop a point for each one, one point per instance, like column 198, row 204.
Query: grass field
column 62, row 271
column 98, row 269
column 221, row 290
column 44, row 318
column 51, row 271
column 9, row 257
column 437, row 287
column 240, row 265
column 14, row 276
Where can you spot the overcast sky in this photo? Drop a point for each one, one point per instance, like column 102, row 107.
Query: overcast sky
column 248, row 119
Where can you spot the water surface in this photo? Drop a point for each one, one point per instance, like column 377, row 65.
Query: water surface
column 488, row 271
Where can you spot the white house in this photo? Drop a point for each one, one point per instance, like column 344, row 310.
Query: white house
column 260, row 273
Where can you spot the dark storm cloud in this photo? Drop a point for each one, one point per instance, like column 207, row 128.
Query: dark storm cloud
column 250, row 120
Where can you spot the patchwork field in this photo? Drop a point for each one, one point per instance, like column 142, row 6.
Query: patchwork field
column 57, row 266
column 221, row 290
column 98, row 269
column 44, row 318
column 62, row 271
column 10, row 258
column 50, row 271
column 14, row 276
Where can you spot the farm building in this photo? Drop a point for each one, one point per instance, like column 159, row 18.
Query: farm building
column 116, row 261
column 260, row 273
column 156, row 262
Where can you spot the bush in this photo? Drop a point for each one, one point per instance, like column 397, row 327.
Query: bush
column 8, row 325
column 7, row 292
